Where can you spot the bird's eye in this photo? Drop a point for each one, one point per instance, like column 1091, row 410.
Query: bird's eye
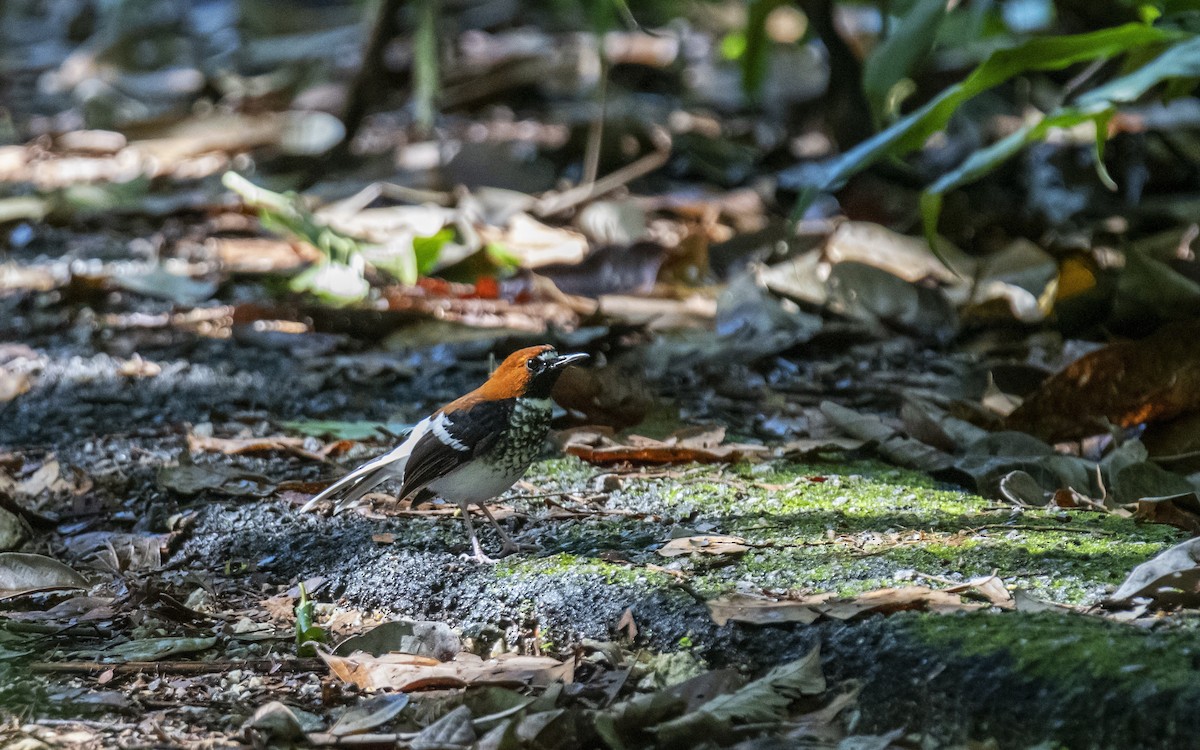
column 531, row 364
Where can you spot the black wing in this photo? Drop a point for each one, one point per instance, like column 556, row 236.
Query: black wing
column 453, row 439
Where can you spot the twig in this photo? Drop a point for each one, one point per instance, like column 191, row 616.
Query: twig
column 325, row 739
column 555, row 203
column 1035, row 527
column 176, row 667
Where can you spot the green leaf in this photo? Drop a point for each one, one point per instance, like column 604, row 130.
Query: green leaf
column 1181, row 60
column 911, row 131
column 307, row 633
column 987, row 159
column 427, row 249
column 899, row 55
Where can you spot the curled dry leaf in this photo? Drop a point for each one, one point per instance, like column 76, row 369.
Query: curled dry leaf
column 1127, row 384
column 409, row 672
column 370, row 714
column 701, row 445
column 704, row 545
column 1170, row 579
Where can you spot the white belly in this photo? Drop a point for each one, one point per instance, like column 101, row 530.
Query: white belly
column 476, row 482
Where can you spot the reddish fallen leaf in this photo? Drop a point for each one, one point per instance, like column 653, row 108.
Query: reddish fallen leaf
column 408, row 672
column 685, row 446
column 1127, row 384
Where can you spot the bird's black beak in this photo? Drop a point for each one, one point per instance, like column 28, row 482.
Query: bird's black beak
column 567, row 360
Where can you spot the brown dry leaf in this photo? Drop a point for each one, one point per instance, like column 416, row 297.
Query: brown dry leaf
column 409, row 672
column 627, row 625
column 688, row 445
column 1127, row 384
column 763, row 611
column 704, row 545
column 268, row 444
column 990, row 588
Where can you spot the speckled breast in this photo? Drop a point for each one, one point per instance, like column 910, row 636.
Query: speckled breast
column 522, row 441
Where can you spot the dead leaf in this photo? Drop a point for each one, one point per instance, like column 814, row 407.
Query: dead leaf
column 369, row 714
column 700, row 445
column 409, row 672
column 704, row 545
column 249, row 255
column 303, row 447
column 23, row 573
column 1181, row 511
column 1171, row 578
column 900, row 255
column 627, row 625
column 153, row 649
column 805, row 610
column 432, row 639
column 276, row 721
column 535, row 244
column 1128, row 383
column 891, row 443
column 190, row 479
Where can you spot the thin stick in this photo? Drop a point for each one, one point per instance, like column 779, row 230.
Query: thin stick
column 555, row 203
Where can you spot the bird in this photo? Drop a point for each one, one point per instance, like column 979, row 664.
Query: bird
column 474, row 448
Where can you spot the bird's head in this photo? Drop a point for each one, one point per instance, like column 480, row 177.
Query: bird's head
column 530, row 372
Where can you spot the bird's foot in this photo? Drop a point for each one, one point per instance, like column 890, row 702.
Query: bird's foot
column 511, row 547
column 479, row 557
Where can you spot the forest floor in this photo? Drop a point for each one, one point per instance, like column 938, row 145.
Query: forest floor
column 192, row 543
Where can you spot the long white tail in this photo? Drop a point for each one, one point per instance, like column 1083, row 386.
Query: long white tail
column 349, row 489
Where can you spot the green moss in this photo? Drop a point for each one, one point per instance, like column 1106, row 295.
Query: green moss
column 845, row 528
column 1071, row 648
column 567, row 564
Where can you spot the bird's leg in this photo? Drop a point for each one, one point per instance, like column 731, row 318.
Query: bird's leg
column 509, row 545
column 476, row 549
